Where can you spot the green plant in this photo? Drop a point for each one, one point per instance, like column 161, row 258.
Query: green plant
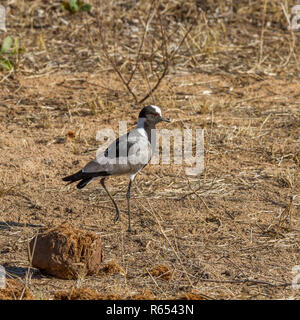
column 75, row 6
column 9, row 49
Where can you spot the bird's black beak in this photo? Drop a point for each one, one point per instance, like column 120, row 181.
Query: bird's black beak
column 165, row 119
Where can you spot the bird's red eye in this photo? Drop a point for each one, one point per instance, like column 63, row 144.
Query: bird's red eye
column 155, row 114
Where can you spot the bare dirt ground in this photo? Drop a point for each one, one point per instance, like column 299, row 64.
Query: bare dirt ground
column 230, row 233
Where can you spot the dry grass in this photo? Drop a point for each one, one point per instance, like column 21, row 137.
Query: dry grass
column 15, row 290
column 231, row 233
column 83, row 294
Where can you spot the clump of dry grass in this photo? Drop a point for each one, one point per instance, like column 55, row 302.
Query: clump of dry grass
column 15, row 290
column 161, row 271
column 112, row 267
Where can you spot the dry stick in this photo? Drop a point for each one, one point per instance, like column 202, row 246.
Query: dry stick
column 195, row 191
column 123, row 258
column 167, row 63
column 156, row 85
column 247, row 281
column 164, row 234
column 112, row 62
column 30, row 256
column 155, row 282
column 287, row 212
column 143, row 73
column 11, row 289
column 169, row 242
column 165, row 59
column 137, row 60
column 262, row 32
column 292, row 47
column 7, row 76
column 164, row 41
column 199, row 197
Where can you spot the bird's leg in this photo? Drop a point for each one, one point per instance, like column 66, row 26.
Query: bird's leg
column 117, row 216
column 128, row 204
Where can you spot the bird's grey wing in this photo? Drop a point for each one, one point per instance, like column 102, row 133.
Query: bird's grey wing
column 128, row 154
column 107, row 166
column 107, row 161
column 120, row 147
column 94, row 166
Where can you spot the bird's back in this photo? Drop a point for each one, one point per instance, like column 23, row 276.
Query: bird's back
column 126, row 155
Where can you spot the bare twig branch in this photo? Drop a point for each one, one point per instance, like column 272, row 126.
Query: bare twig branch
column 167, row 60
column 162, row 50
column 138, row 55
column 113, row 61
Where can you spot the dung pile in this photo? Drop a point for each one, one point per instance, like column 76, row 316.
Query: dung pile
column 15, row 290
column 162, row 271
column 66, row 252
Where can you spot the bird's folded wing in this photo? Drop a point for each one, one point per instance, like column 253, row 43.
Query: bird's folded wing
column 120, row 147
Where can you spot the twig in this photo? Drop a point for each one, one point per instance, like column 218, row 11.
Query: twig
column 148, row 21
column 262, row 32
column 152, row 212
column 250, row 281
column 167, row 61
column 167, row 57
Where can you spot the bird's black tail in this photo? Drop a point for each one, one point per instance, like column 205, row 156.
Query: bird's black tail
column 85, row 177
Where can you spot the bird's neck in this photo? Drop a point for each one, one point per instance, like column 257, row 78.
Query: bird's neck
column 147, row 126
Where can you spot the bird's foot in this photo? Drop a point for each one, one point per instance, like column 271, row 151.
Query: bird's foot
column 131, row 230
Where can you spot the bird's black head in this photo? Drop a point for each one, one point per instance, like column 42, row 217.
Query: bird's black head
column 152, row 114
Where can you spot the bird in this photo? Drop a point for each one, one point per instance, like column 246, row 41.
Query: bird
column 127, row 155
